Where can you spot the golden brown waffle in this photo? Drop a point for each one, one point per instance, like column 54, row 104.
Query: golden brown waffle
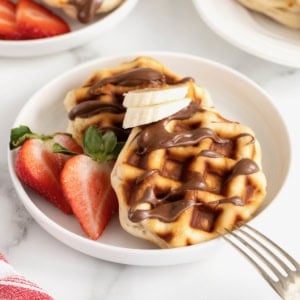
column 286, row 12
column 182, row 180
column 99, row 101
column 85, row 10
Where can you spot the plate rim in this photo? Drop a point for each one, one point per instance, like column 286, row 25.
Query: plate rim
column 133, row 256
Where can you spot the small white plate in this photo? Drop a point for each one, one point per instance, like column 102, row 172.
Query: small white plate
column 251, row 32
column 79, row 35
column 235, row 96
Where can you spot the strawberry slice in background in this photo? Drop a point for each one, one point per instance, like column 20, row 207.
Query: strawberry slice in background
column 85, row 181
column 36, row 21
column 8, row 24
column 38, row 167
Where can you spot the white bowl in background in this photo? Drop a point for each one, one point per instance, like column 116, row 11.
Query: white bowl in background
column 251, row 31
column 79, row 35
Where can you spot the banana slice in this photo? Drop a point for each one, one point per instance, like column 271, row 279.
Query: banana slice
column 136, row 116
column 148, row 97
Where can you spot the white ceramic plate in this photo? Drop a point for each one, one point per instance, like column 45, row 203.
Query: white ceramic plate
column 234, row 95
column 251, row 32
column 79, row 35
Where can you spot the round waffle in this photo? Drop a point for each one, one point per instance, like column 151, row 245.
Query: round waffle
column 182, row 180
column 84, row 10
column 99, row 101
column 286, row 12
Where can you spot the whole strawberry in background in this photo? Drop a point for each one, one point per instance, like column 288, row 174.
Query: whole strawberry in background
column 85, row 181
column 8, row 24
column 38, row 167
column 35, row 21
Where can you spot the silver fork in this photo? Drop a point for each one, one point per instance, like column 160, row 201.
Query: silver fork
column 278, row 268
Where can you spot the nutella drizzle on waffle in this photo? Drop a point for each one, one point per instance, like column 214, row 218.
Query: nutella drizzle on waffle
column 136, row 78
column 171, row 205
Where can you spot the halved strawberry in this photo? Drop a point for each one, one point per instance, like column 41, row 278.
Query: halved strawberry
column 85, row 181
column 86, row 186
column 8, row 25
column 38, row 167
column 36, row 21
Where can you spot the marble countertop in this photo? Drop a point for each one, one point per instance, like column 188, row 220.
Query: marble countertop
column 169, row 25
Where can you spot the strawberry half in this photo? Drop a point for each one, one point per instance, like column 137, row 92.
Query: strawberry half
column 8, row 24
column 86, row 185
column 85, row 181
column 36, row 21
column 38, row 167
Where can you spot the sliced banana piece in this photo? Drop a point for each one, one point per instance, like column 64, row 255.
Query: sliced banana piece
column 148, row 97
column 136, row 116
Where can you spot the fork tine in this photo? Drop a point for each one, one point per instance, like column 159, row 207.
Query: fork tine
column 275, row 246
column 267, row 277
column 255, row 251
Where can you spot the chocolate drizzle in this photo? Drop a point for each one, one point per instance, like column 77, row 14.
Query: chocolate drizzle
column 210, row 153
column 168, row 206
column 139, row 77
column 148, row 141
column 107, row 94
column 244, row 166
column 168, row 211
column 132, row 78
column 89, row 108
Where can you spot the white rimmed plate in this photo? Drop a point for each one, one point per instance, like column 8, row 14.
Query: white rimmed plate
column 79, row 35
column 251, row 32
column 234, row 95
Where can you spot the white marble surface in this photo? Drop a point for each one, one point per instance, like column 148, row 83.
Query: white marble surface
column 171, row 25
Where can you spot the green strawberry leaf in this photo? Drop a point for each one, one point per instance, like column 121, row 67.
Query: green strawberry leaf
column 101, row 147
column 109, row 141
column 92, row 141
column 22, row 133
column 57, row 148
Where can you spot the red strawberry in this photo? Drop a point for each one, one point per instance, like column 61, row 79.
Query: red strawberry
column 86, row 185
column 8, row 25
column 38, row 167
column 85, row 181
column 36, row 21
